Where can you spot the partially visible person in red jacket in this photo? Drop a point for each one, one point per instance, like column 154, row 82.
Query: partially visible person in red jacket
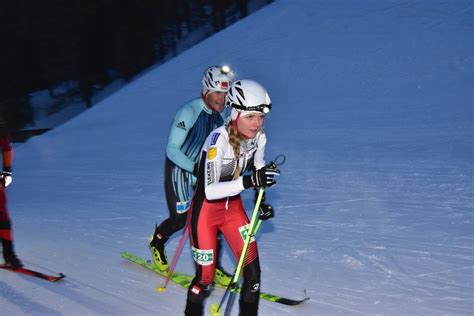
column 5, row 180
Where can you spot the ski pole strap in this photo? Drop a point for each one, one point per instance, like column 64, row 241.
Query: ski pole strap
column 250, row 234
column 279, row 160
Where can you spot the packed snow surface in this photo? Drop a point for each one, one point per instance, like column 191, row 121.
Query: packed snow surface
column 372, row 106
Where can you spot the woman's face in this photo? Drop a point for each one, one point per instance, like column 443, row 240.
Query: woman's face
column 216, row 100
column 249, row 125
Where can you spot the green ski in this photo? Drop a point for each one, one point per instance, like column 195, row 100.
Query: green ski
column 185, row 279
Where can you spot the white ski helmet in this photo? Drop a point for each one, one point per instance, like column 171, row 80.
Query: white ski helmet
column 216, row 79
column 246, row 97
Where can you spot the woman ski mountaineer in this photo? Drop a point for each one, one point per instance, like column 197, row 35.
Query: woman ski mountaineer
column 193, row 122
column 227, row 153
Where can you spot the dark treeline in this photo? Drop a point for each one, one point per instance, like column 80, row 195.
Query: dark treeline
column 92, row 42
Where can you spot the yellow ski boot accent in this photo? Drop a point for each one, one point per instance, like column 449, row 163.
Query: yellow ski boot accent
column 222, row 277
column 159, row 256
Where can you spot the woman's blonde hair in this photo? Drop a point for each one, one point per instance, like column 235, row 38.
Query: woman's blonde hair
column 234, row 140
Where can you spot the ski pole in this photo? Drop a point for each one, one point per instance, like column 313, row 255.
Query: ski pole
column 250, row 233
column 278, row 161
column 175, row 259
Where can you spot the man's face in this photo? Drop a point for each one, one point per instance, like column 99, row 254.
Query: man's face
column 216, row 100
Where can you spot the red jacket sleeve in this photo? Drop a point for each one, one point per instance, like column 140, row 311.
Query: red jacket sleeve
column 7, row 151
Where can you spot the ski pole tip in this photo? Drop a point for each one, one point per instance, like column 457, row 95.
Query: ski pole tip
column 215, row 310
column 160, row 289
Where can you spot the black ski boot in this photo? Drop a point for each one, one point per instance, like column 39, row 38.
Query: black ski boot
column 9, row 255
column 248, row 309
column 193, row 309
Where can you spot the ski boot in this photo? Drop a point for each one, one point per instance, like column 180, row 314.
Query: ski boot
column 248, row 309
column 158, row 252
column 222, row 277
column 9, row 255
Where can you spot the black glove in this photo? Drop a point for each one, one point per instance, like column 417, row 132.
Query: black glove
column 6, row 176
column 266, row 211
column 264, row 177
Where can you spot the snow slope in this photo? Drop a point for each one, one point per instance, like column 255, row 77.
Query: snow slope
column 373, row 108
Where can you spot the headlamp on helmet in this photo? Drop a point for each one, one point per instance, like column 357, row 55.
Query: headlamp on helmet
column 217, row 79
column 247, row 96
column 225, row 69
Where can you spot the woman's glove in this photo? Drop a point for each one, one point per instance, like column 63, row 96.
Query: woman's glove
column 266, row 211
column 261, row 178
